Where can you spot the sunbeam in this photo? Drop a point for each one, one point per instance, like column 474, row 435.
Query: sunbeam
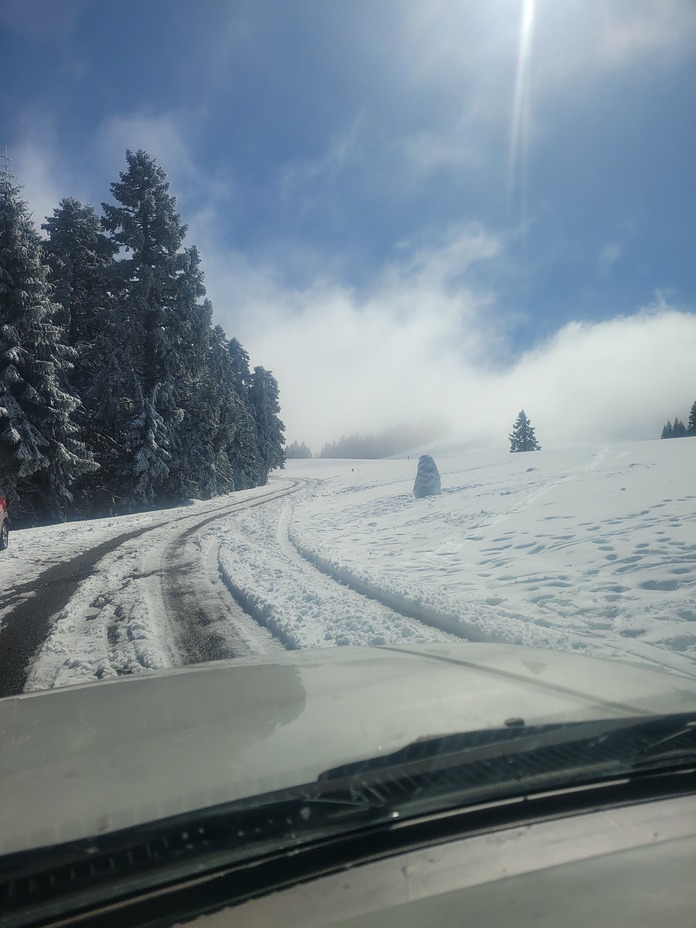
column 520, row 114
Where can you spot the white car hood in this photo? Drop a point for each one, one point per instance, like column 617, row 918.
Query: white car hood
column 86, row 760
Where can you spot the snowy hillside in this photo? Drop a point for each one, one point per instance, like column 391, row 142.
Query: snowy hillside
column 589, row 549
column 592, row 549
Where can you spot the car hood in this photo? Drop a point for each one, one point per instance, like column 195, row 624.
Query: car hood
column 86, row 760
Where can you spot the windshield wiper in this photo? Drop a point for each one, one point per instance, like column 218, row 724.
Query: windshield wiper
column 483, row 764
column 433, row 774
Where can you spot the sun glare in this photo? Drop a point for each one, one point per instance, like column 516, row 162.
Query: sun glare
column 520, row 113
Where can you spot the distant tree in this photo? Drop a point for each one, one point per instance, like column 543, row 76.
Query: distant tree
column 41, row 449
column 297, row 450
column 522, row 437
column 691, row 425
column 678, row 428
column 667, row 431
column 397, row 439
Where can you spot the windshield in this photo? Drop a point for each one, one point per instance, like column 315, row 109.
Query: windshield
column 347, row 351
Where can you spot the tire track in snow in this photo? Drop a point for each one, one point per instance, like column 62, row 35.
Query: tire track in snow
column 399, row 605
column 215, row 620
column 179, row 615
column 104, row 612
column 300, row 605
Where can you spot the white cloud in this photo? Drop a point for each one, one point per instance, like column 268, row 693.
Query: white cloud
column 161, row 136
column 616, row 379
column 44, row 181
column 423, row 344
column 47, row 178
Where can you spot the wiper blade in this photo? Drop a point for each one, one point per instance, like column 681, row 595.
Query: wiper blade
column 438, row 750
column 674, row 740
column 482, row 763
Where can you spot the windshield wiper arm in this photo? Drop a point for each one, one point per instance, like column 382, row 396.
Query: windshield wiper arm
column 537, row 754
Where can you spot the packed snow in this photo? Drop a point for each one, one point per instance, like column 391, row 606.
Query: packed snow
column 589, row 549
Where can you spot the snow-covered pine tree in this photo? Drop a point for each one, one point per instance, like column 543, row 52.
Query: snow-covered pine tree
column 691, row 424
column 244, row 452
column 189, row 356
column 159, row 287
column 522, row 437
column 41, row 451
column 221, row 413
column 270, row 430
column 146, row 440
column 114, row 399
column 80, row 257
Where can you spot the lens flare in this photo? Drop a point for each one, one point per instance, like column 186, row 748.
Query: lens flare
column 519, row 130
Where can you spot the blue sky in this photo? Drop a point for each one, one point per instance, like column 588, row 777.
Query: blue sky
column 457, row 207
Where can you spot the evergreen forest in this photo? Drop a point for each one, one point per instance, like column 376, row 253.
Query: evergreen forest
column 677, row 429
column 117, row 391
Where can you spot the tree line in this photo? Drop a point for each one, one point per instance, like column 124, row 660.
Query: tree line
column 396, row 439
column 677, row 429
column 117, row 392
column 297, row 450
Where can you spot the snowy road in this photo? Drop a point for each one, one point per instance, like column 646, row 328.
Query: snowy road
column 194, row 586
column 590, row 549
column 136, row 599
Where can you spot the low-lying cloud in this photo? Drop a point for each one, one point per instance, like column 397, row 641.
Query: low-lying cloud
column 423, row 344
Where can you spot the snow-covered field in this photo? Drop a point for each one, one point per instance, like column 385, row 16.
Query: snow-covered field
column 590, row 549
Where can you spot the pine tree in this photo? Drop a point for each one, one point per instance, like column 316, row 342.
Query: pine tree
column 80, row 257
column 114, row 400
column 222, row 417
column 667, row 430
column 297, row 450
column 159, row 287
column 244, row 453
column 189, row 347
column 522, row 437
column 691, row 425
column 41, row 452
column 264, row 394
column 146, row 440
column 678, row 428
